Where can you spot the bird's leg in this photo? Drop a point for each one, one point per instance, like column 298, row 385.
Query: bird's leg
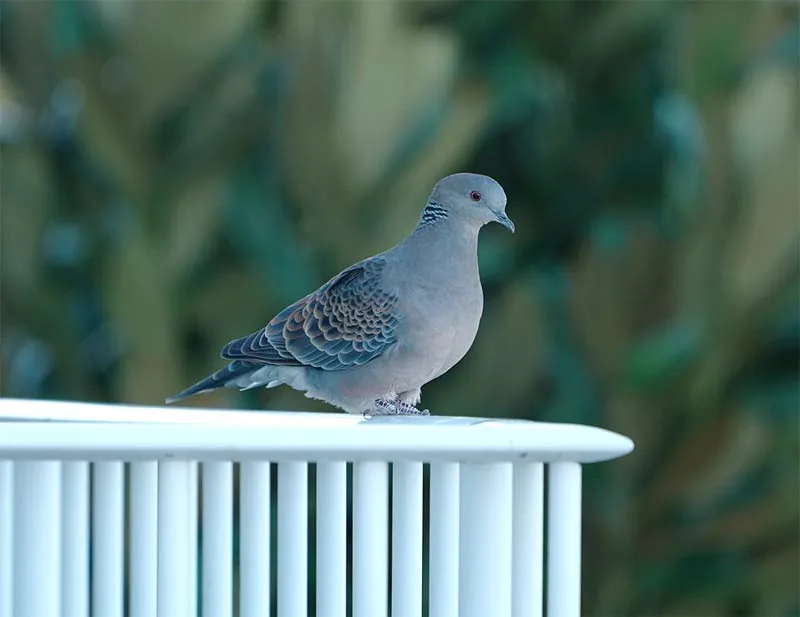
column 408, row 402
column 389, row 407
column 384, row 407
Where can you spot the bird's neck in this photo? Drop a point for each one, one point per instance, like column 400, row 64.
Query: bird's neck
column 437, row 219
column 449, row 241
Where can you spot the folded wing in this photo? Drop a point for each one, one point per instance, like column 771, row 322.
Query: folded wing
column 347, row 322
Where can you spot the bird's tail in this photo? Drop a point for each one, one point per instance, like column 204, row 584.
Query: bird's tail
column 223, row 377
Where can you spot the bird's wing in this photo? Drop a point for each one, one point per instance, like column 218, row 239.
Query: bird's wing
column 347, row 322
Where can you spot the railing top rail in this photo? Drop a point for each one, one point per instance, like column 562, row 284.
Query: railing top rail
column 37, row 429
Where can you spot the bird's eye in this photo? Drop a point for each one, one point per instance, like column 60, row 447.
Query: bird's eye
column 475, row 196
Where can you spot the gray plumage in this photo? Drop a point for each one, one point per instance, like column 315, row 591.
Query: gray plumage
column 373, row 335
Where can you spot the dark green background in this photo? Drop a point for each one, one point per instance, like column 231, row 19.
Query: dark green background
column 173, row 174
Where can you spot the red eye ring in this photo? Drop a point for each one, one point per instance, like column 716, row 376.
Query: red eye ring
column 475, row 196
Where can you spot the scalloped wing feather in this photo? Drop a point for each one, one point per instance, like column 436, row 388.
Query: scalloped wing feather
column 347, row 322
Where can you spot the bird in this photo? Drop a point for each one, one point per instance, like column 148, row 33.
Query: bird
column 372, row 336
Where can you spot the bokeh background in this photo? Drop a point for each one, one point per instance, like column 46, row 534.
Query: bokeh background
column 173, row 174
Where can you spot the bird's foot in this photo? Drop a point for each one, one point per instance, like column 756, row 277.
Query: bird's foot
column 386, row 407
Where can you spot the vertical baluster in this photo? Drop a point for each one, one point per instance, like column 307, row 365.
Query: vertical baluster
column 218, row 539
column 173, row 540
column 254, row 552
column 6, row 537
column 293, row 539
column 143, row 554
column 407, row 540
column 192, row 524
column 37, row 539
column 564, row 540
column 107, row 539
column 528, row 537
column 75, row 536
column 370, row 539
column 331, row 539
column 443, row 565
column 484, row 586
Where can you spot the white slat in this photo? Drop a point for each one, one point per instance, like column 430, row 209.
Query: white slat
column 484, row 586
column 407, row 539
column 293, row 539
column 6, row 537
column 443, row 568
column 217, row 539
column 143, row 552
column 37, row 539
column 254, row 538
column 564, row 540
column 370, row 539
column 107, row 539
column 75, row 538
column 174, row 570
column 331, row 539
column 192, row 525
column 528, row 537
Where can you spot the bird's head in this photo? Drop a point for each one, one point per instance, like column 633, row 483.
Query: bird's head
column 477, row 198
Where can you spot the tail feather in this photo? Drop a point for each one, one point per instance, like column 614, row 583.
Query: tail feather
column 220, row 379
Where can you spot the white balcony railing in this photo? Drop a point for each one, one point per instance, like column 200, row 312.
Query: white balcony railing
column 115, row 511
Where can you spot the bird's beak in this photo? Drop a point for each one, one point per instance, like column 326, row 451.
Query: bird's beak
column 502, row 218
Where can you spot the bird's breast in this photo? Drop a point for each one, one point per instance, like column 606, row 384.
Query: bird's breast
column 440, row 322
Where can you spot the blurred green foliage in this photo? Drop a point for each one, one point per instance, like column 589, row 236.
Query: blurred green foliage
column 174, row 173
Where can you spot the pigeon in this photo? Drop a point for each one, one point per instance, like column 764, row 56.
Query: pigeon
column 368, row 339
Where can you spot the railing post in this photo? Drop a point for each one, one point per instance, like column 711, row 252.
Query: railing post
column 217, row 539
column 370, row 539
column 443, row 564
column 143, row 555
column 407, row 539
column 293, row 539
column 37, row 539
column 254, row 547
column 6, row 537
column 564, row 540
column 484, row 585
column 173, row 539
column 192, row 528
column 332, row 539
column 75, row 534
column 528, row 531
column 107, row 539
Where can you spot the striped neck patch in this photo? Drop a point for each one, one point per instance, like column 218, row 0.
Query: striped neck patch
column 433, row 212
